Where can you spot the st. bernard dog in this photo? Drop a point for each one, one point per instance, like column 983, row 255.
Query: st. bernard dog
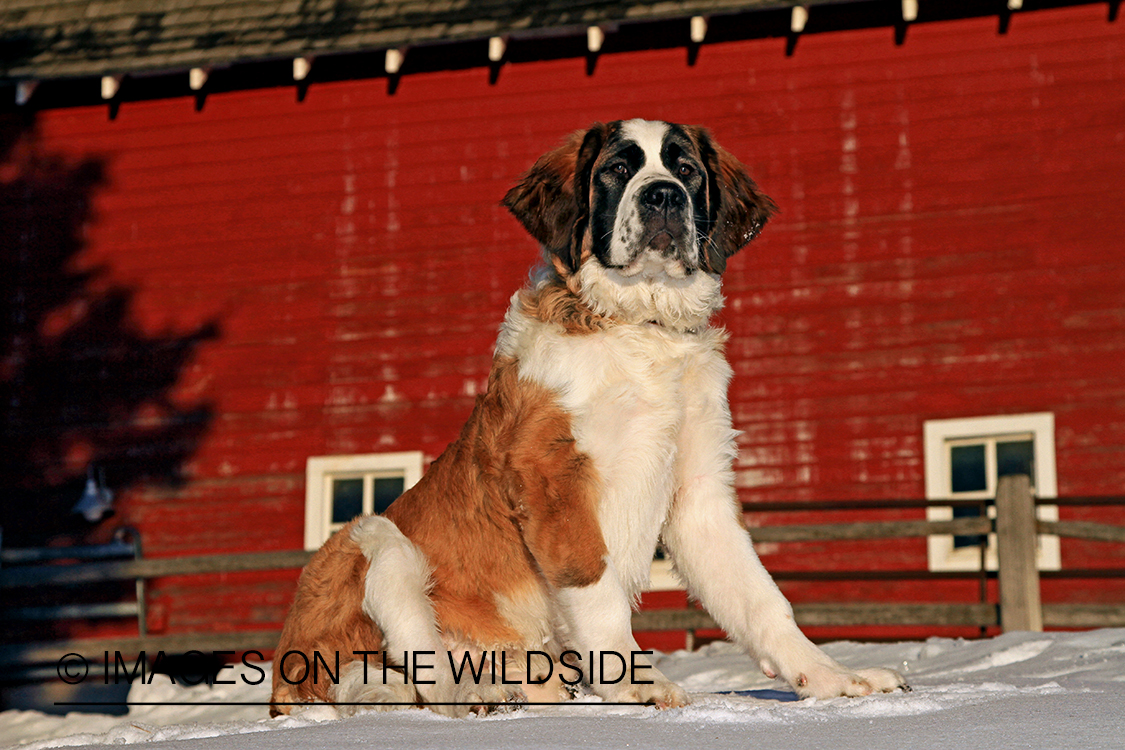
column 604, row 429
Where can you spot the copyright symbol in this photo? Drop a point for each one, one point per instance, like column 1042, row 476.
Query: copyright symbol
column 72, row 669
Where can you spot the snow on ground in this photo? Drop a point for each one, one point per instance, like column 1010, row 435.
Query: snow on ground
column 1020, row 690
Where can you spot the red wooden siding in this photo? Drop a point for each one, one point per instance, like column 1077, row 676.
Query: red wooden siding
column 949, row 244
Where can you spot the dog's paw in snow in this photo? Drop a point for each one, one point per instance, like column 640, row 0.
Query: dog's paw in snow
column 662, row 693
column 835, row 680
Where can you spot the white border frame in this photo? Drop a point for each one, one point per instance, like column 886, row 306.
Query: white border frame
column 938, row 432
column 319, row 470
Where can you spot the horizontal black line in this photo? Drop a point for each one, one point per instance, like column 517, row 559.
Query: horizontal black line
column 373, row 703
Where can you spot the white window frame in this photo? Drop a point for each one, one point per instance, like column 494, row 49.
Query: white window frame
column 940, row 434
column 321, row 470
column 662, row 577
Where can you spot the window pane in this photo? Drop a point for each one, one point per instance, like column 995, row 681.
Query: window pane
column 969, row 540
column 347, row 499
column 1016, row 457
column 967, row 468
column 386, row 491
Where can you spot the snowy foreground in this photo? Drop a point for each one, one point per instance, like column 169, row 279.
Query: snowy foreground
column 1020, row 690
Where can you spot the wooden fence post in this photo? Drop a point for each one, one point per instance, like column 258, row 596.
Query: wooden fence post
column 1016, row 541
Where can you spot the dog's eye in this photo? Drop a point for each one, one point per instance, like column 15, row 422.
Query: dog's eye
column 686, row 170
column 621, row 168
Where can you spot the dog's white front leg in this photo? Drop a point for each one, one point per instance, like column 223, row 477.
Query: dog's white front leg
column 599, row 621
column 714, row 556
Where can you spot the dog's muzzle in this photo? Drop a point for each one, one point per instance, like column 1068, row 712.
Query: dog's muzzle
column 664, row 218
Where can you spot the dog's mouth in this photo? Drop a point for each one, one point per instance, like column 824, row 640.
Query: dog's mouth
column 663, row 251
column 661, row 242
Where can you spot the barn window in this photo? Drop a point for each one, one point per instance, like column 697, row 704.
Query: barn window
column 339, row 488
column 965, row 458
column 662, row 575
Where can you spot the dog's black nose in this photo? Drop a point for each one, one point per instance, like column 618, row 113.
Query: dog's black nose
column 663, row 196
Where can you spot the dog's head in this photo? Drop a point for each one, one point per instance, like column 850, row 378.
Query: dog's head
column 636, row 204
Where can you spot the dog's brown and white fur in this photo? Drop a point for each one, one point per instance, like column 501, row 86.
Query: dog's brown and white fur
column 605, row 428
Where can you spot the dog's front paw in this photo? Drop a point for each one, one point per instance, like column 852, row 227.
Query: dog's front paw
column 662, row 693
column 486, row 698
column 832, row 680
column 884, row 680
column 473, row 698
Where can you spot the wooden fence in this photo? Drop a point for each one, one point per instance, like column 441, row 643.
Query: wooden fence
column 1016, row 527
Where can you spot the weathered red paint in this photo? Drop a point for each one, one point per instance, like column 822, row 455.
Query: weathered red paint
column 949, row 244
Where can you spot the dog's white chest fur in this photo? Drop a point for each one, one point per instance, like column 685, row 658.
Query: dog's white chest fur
column 629, row 390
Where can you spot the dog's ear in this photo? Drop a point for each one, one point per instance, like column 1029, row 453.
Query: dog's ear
column 552, row 199
column 738, row 208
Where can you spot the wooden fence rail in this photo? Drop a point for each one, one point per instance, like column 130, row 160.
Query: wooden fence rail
column 159, row 567
column 869, row 530
column 1095, row 532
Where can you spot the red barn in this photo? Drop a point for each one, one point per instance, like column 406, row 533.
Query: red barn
column 254, row 258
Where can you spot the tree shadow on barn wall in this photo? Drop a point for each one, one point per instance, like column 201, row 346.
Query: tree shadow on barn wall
column 81, row 384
